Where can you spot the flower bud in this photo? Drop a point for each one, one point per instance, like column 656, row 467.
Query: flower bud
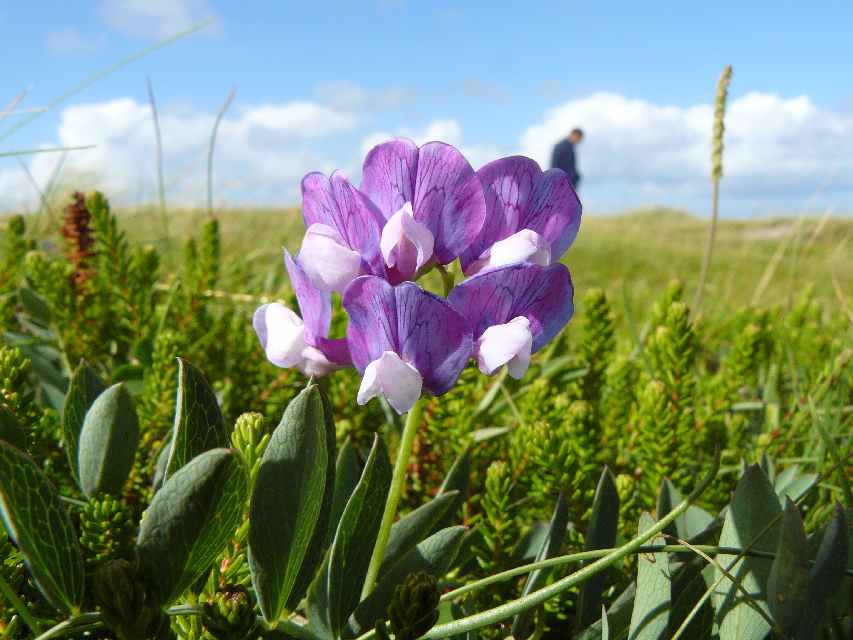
column 127, row 606
column 414, row 608
column 230, row 614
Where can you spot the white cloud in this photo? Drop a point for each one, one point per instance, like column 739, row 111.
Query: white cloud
column 154, row 18
column 70, row 41
column 262, row 151
column 777, row 150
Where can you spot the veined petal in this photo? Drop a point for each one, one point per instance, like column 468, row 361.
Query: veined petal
column 281, row 332
column 327, row 260
column 554, row 211
column 314, row 305
column 448, row 199
column 336, row 203
column 406, row 244
column 541, row 294
column 423, row 329
column 506, row 344
column 520, row 195
column 388, row 175
column 507, row 185
column 392, row 378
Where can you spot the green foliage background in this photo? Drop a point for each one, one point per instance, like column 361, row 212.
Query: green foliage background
column 638, row 382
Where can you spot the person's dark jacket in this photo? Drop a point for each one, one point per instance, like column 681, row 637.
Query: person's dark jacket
column 564, row 158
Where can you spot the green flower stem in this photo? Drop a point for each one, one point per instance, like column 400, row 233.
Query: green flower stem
column 447, row 279
column 413, row 419
column 72, row 625
column 19, row 606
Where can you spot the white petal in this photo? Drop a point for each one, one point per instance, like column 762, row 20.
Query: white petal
column 523, row 246
column 394, row 379
column 285, row 335
column 406, row 243
column 329, row 263
column 509, row 344
column 315, row 363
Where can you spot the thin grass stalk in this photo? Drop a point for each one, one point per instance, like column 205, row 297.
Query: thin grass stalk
column 716, row 175
column 161, row 185
column 211, row 148
column 103, row 73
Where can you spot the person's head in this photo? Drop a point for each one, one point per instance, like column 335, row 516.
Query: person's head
column 576, row 136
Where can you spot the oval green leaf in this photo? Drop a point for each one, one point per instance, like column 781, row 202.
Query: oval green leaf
column 352, row 547
column 190, row 521
column 199, row 425
column 108, row 442
column 291, row 502
column 85, row 386
column 40, row 527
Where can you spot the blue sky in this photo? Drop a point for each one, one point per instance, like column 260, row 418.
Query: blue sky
column 316, row 84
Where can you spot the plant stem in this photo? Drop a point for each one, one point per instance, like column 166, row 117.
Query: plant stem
column 413, row 419
column 709, row 247
column 536, row 598
column 75, row 623
column 446, row 279
column 19, row 606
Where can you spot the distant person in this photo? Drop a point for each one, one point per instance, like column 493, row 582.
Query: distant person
column 564, row 156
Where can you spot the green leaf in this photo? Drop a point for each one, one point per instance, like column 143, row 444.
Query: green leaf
column 434, row 556
column 688, row 588
column 40, row 527
column 605, row 625
column 793, row 484
column 601, row 534
column 650, row 617
column 550, row 547
column 319, row 543
column 290, row 502
column 84, row 388
column 415, row 526
column 190, row 520
column 694, row 525
column 108, row 442
column 199, row 425
column 347, row 473
column 788, row 583
column 827, row 572
column 11, row 430
column 618, row 618
column 352, row 547
column 748, row 525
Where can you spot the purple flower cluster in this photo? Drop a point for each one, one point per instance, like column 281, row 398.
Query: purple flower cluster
column 419, row 208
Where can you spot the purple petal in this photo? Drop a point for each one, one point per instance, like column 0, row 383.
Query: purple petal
column 338, row 204
column 372, row 329
column 520, row 196
column 433, row 336
column 448, row 199
column 421, row 328
column 315, row 307
column 388, row 175
column 541, row 294
column 336, row 350
column 507, row 184
column 554, row 211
